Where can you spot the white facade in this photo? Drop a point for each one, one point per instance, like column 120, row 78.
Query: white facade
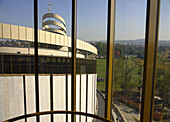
column 12, row 96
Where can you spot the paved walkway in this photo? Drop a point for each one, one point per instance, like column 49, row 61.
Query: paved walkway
column 128, row 112
column 101, row 106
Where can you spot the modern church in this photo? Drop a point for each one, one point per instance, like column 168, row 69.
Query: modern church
column 47, row 75
column 17, row 86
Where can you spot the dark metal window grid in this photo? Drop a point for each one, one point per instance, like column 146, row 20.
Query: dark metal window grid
column 153, row 8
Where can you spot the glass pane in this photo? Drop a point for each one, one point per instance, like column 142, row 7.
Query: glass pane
column 91, row 53
column 1, row 64
column 6, row 64
column 16, row 43
column 54, row 44
column 162, row 90
column 23, row 64
column 15, row 64
column 129, row 59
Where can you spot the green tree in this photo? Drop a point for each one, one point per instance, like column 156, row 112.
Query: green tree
column 163, row 84
column 118, row 74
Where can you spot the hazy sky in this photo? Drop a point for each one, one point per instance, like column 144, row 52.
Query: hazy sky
column 92, row 17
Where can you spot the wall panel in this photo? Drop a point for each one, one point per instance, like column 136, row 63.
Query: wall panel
column 47, row 37
column 57, row 39
column 30, row 94
column 11, row 97
column 30, row 34
column 83, row 93
column 6, row 31
column 53, row 38
column 44, row 93
column 22, row 33
column 0, row 30
column 59, row 96
column 14, row 32
column 42, row 36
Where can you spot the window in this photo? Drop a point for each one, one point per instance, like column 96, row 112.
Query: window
column 55, row 75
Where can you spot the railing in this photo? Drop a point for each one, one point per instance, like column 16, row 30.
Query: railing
column 58, row 112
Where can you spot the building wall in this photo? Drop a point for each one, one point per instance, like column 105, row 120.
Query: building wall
column 40, row 51
column 12, row 96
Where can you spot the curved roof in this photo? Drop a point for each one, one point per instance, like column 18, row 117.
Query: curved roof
column 15, row 32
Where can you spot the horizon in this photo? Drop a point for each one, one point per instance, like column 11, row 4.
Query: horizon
column 126, row 40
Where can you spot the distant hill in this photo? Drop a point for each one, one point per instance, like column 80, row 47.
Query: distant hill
column 140, row 42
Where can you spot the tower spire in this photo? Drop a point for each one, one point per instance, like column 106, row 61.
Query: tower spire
column 49, row 7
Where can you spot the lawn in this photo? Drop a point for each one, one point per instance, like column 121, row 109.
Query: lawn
column 101, row 73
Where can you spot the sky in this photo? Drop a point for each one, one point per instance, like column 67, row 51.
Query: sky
column 91, row 17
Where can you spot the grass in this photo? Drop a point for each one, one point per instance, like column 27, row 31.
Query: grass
column 101, row 68
column 101, row 86
column 101, row 71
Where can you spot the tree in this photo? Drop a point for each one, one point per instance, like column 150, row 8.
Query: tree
column 162, row 85
column 101, row 47
column 118, row 74
column 163, row 76
column 127, row 85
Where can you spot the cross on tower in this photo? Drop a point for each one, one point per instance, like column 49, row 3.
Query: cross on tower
column 49, row 7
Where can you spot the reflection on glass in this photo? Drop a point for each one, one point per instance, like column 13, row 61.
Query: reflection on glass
column 91, row 33
column 162, row 90
column 129, row 59
column 16, row 39
column 54, row 58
